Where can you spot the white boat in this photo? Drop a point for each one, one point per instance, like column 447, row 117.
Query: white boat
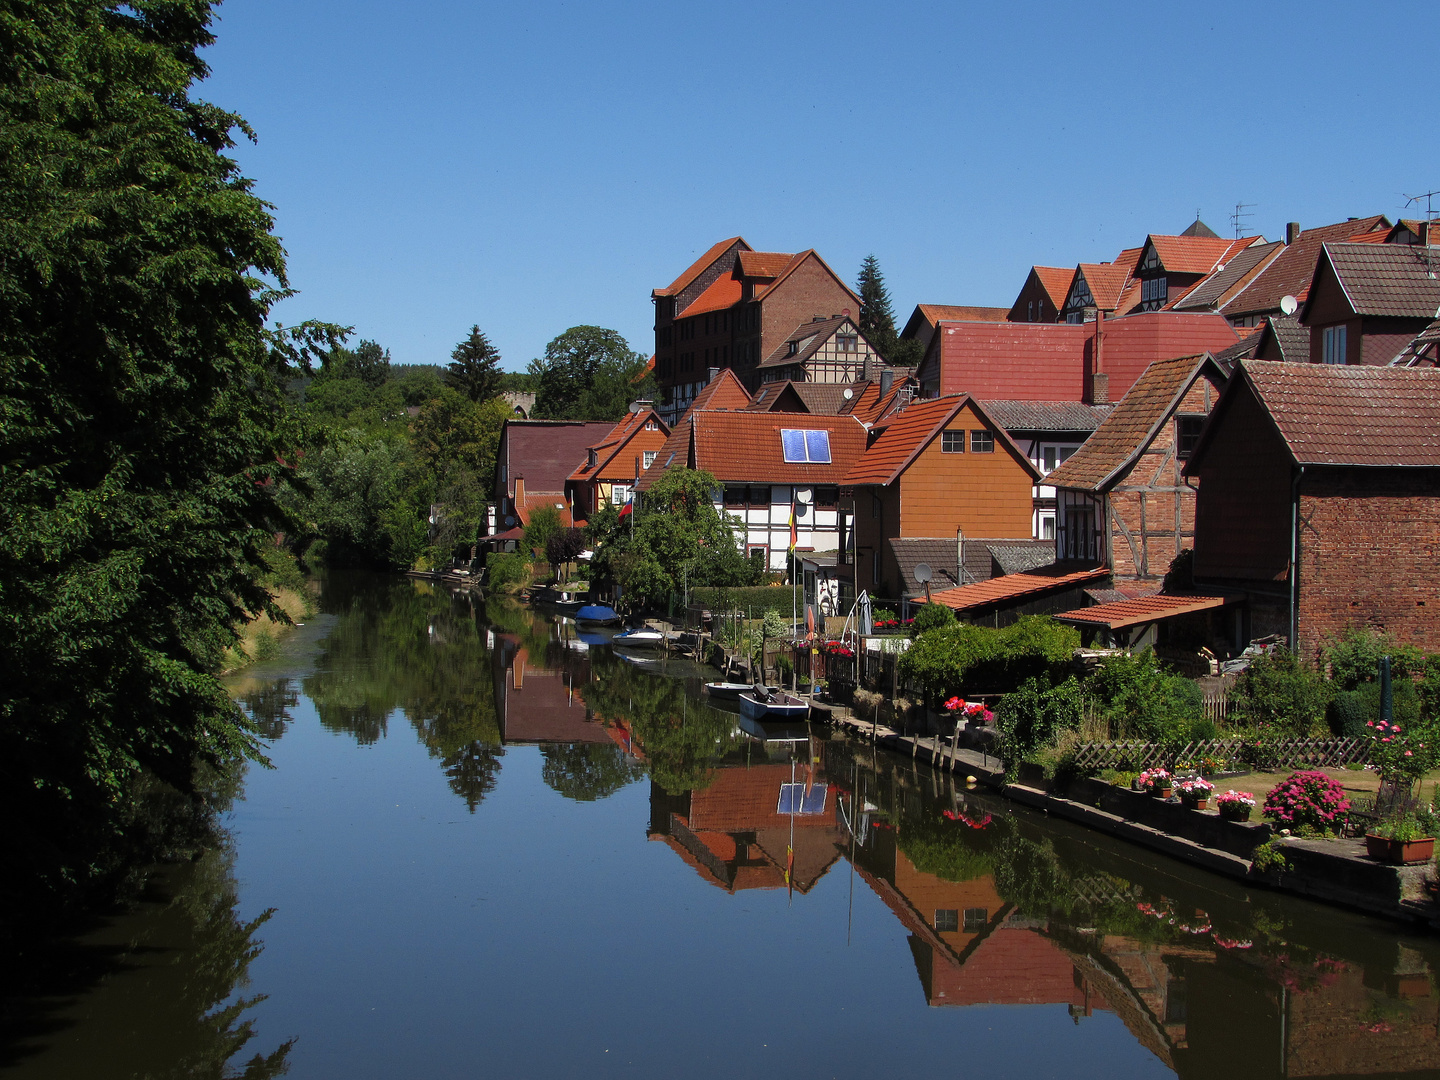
column 758, row 703
column 643, row 638
column 728, row 690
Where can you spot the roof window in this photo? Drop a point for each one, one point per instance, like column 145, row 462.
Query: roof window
column 801, row 445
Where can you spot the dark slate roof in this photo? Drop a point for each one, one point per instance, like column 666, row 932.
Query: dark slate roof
column 1388, row 279
column 1199, row 228
column 1244, row 349
column 1212, row 289
column 1134, row 423
column 1330, row 414
column 1290, row 273
column 981, row 561
column 1018, row 556
column 1292, row 338
column 1047, row 415
column 814, row 333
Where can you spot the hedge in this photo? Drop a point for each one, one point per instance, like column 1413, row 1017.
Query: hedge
column 754, row 600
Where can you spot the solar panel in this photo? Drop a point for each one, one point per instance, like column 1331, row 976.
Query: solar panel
column 792, row 441
column 817, row 445
column 794, row 799
column 801, row 445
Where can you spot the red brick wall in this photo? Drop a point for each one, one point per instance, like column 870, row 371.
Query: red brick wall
column 808, row 290
column 1369, row 544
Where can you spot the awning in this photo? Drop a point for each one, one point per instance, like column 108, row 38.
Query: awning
column 1144, row 609
column 517, row 533
column 1012, row 587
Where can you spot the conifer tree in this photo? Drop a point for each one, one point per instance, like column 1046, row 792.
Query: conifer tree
column 877, row 318
column 474, row 367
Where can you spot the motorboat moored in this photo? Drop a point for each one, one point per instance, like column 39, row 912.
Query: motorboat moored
column 730, row 691
column 597, row 615
column 640, row 638
column 761, row 703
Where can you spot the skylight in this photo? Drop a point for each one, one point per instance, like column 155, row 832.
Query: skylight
column 801, row 445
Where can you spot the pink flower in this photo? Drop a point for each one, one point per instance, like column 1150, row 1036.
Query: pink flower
column 1395, row 728
column 1369, row 723
column 1407, row 753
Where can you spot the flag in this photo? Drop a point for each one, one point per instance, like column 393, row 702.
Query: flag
column 792, row 528
column 629, row 507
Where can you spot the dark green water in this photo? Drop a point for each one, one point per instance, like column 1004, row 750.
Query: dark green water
column 489, row 849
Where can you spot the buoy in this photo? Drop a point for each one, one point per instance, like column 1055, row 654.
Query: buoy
column 970, row 780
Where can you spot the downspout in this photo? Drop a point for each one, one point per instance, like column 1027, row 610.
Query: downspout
column 1295, row 558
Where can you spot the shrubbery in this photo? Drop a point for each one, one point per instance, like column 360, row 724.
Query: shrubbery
column 1307, row 800
column 1139, row 700
column 754, row 600
column 1278, row 691
column 966, row 659
column 931, row 616
column 506, row 570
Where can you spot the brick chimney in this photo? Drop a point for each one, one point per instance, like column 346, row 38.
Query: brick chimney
column 1097, row 386
column 1292, row 231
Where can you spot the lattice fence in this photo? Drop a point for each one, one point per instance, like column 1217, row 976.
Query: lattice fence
column 1265, row 755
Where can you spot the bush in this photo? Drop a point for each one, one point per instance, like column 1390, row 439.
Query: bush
column 1279, row 691
column 507, row 570
column 954, row 659
column 1139, row 699
column 931, row 616
column 1307, row 800
column 1035, row 715
column 754, row 601
column 1354, row 658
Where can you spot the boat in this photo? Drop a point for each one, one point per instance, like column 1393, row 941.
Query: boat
column 597, row 614
column 640, row 638
column 776, row 733
column 760, row 703
column 647, row 663
column 728, row 690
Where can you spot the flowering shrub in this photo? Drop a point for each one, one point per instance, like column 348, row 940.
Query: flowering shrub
column 1307, row 798
column 1398, row 753
column 972, row 711
column 837, row 648
column 1236, row 799
column 1195, row 788
column 1151, row 779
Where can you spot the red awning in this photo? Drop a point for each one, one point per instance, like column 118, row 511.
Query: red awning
column 1016, row 586
column 1141, row 610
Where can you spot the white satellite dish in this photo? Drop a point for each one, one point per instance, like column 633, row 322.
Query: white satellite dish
column 1288, row 305
column 923, row 573
column 848, row 393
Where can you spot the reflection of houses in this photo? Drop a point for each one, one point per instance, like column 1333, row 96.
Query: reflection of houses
column 537, row 704
column 734, row 832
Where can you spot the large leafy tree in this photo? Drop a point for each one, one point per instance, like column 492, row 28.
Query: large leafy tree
column 143, row 428
column 475, row 367
column 589, row 373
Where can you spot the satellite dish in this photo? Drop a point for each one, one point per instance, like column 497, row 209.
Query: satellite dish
column 848, row 394
column 1288, row 305
column 923, row 573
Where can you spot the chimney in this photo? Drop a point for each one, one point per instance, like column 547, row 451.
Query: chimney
column 519, row 492
column 714, row 374
column 1292, row 231
column 1098, row 392
column 887, row 379
column 817, row 318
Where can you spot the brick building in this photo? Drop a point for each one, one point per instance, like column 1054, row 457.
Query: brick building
column 1320, row 499
column 1367, row 302
column 532, row 467
column 732, row 308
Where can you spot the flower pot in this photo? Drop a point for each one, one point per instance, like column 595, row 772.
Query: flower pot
column 1231, row 812
column 1399, row 851
column 1196, row 802
column 1162, row 792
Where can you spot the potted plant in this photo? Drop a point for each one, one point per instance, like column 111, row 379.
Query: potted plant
column 1400, row 840
column 1235, row 805
column 1157, row 782
column 1195, row 792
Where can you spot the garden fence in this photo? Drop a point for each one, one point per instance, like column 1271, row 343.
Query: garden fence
column 1265, row 754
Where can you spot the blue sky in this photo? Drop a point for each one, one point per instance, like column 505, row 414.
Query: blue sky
column 534, row 166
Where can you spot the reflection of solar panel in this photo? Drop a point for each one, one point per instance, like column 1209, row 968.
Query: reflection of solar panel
column 794, row 799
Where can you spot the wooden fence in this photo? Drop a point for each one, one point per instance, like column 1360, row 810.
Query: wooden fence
column 1265, row 754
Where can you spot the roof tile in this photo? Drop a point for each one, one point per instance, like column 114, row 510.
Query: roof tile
column 1290, row 272
column 1015, row 586
column 699, row 266
column 1389, row 279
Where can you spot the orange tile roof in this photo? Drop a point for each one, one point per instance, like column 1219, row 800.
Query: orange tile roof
column 911, row 429
column 1196, row 254
column 534, row 500
column 763, row 264
column 862, row 403
column 935, row 312
column 722, row 293
column 798, row 260
column 1144, row 609
column 698, row 266
column 725, row 391
column 1106, row 281
column 1016, row 586
column 614, row 442
column 745, row 447
column 1123, row 435
column 1129, row 258
column 1055, row 280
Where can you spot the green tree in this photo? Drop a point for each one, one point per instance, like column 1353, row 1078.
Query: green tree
column 877, row 317
column 370, row 364
column 588, row 772
column 589, row 373
column 545, row 523
column 144, row 425
column 475, row 367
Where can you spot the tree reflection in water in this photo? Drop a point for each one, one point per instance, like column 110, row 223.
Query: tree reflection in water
column 161, row 989
column 403, row 644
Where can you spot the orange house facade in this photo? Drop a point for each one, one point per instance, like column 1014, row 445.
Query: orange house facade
column 614, row 463
column 939, row 469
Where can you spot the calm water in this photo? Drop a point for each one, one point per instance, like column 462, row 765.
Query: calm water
column 487, row 849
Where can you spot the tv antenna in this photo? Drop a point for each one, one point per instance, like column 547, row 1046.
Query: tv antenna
column 1425, row 251
column 1237, row 219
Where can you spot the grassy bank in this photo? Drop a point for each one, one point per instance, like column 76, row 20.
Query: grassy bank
column 260, row 638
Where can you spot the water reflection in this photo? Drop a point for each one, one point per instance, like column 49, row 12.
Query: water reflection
column 157, row 993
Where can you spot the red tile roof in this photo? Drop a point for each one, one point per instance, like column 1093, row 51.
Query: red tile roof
column 1134, row 342
column 763, row 264
column 1144, row 609
column 1106, row 282
column 723, row 292
column 1055, row 280
column 1196, row 254
column 935, row 312
column 699, row 266
column 798, row 260
column 1134, row 423
column 1017, row 586
column 534, row 500
column 614, row 442
column 545, row 452
column 911, row 429
column 1034, row 361
column 1335, row 415
column 744, row 447
column 725, row 391
column 1290, row 273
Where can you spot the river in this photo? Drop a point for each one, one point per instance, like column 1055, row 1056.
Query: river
column 489, row 848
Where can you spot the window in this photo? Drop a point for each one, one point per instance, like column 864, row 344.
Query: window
column 1053, row 456
column 650, row 425
column 847, row 342
column 876, row 506
column 648, row 457
column 620, row 494
column 594, row 458
column 952, row 442
column 875, row 568
column 975, row 919
column 1187, row 434
column 1047, row 527
column 947, row 920
column 802, row 445
column 982, row 442
column 759, row 495
column 791, row 348
column 734, row 495
column 1030, row 311
column 827, row 496
column 1333, row 345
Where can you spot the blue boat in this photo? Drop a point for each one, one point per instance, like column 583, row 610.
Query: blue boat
column 597, row 615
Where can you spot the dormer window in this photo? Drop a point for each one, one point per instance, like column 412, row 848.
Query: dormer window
column 650, row 425
column 594, row 458
column 791, row 348
column 1154, row 291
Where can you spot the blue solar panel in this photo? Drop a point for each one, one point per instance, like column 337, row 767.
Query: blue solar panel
column 794, row 799
column 817, row 444
column 814, row 800
column 792, row 441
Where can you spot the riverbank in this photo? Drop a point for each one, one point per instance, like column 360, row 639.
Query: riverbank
column 260, row 637
column 1336, row 871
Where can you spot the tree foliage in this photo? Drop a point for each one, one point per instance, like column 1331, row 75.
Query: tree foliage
column 143, row 421
column 589, row 373
column 877, row 317
column 475, row 367
column 954, row 659
column 588, row 772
